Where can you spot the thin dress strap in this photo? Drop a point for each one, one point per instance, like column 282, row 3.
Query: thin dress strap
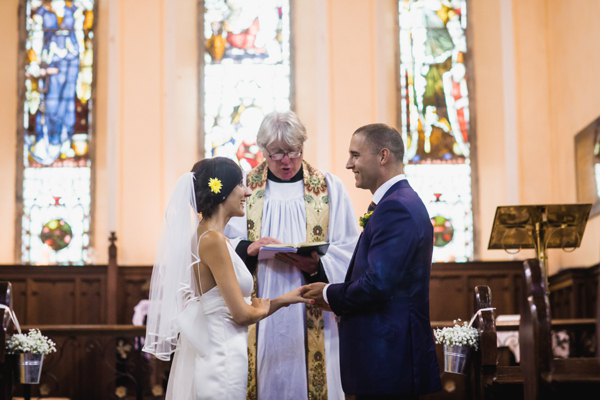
column 198, row 263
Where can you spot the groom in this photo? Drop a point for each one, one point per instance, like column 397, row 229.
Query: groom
column 386, row 341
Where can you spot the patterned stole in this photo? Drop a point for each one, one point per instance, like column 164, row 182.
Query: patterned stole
column 316, row 200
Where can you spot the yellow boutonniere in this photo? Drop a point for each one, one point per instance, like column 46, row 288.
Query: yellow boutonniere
column 215, row 185
column 362, row 221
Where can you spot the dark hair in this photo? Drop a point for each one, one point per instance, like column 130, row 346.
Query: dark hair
column 221, row 168
column 381, row 136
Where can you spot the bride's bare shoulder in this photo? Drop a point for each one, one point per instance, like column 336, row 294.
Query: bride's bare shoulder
column 211, row 239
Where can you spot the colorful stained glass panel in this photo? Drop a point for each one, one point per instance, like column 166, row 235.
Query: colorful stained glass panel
column 57, row 118
column 246, row 73
column 434, row 108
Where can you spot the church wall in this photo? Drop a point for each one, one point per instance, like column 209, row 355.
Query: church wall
column 8, row 125
column 486, row 39
column 573, row 62
column 344, row 78
column 147, row 110
column 534, row 144
column 147, row 119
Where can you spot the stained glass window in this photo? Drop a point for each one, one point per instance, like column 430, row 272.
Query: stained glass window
column 56, row 131
column 434, row 107
column 246, row 73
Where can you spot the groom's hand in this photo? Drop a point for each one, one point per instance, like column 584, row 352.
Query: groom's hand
column 314, row 291
column 308, row 264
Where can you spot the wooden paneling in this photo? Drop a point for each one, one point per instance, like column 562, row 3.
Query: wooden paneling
column 573, row 292
column 133, row 286
column 57, row 294
column 451, row 288
column 78, row 294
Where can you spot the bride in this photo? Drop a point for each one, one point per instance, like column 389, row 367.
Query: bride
column 200, row 293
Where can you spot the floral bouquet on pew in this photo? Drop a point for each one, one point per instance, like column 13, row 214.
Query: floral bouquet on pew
column 458, row 341
column 33, row 342
column 458, row 335
column 29, row 350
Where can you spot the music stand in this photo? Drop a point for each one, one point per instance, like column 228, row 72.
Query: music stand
column 539, row 227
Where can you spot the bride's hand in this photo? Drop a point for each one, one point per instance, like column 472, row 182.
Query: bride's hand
column 295, row 296
column 261, row 305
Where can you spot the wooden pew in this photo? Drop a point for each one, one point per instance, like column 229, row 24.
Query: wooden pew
column 6, row 369
column 546, row 377
column 492, row 381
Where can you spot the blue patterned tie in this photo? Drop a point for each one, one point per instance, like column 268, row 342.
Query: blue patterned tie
column 371, row 207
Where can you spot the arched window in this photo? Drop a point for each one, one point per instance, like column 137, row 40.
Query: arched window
column 56, row 91
column 434, row 115
column 246, row 74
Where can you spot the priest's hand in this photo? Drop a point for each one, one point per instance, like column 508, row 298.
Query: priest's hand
column 309, row 264
column 264, row 241
column 314, row 291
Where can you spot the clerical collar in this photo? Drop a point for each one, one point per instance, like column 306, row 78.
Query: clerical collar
column 298, row 177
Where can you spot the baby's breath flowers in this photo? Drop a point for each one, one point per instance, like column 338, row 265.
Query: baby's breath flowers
column 458, row 335
column 33, row 342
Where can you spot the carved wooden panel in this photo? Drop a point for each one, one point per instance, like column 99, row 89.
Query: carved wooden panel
column 451, row 288
column 91, row 301
column 57, row 294
column 573, row 292
column 448, row 300
column 133, row 286
column 51, row 301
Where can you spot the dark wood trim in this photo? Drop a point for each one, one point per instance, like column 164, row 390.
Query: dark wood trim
column 95, row 330
column 491, row 266
column 111, row 281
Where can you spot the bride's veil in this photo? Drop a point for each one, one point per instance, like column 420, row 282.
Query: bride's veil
column 173, row 285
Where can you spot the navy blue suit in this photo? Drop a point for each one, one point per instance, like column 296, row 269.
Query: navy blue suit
column 386, row 341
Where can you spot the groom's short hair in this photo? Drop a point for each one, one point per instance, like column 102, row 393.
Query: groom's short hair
column 381, row 136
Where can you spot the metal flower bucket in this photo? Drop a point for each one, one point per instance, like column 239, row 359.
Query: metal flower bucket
column 457, row 359
column 29, row 367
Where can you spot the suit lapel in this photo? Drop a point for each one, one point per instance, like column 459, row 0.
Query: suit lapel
column 351, row 266
column 398, row 185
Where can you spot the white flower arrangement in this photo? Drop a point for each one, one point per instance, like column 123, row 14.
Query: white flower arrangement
column 33, row 342
column 458, row 335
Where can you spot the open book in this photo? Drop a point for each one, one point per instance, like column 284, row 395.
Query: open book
column 303, row 249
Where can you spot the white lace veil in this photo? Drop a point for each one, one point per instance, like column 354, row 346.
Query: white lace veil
column 173, row 280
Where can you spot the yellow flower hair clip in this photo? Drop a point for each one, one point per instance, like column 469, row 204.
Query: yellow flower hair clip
column 215, row 185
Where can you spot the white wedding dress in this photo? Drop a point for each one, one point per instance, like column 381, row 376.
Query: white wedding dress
column 223, row 373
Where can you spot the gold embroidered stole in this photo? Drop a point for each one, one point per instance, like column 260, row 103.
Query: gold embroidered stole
column 316, row 199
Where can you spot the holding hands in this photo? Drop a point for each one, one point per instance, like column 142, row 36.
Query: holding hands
column 314, row 291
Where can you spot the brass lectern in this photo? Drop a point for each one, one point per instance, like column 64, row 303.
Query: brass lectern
column 539, row 227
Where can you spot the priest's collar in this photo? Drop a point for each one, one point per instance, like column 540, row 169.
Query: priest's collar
column 298, row 177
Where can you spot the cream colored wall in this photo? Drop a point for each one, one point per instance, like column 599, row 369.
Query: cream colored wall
column 573, row 34
column 8, row 125
column 147, row 119
column 538, row 87
column 344, row 77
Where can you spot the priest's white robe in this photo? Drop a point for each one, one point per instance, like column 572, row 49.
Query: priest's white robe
column 281, row 354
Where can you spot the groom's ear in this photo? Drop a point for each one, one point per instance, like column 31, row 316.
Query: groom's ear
column 384, row 156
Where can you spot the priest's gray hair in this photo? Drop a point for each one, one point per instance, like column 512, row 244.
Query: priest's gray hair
column 284, row 126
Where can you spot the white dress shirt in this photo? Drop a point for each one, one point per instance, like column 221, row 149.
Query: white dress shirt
column 377, row 196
